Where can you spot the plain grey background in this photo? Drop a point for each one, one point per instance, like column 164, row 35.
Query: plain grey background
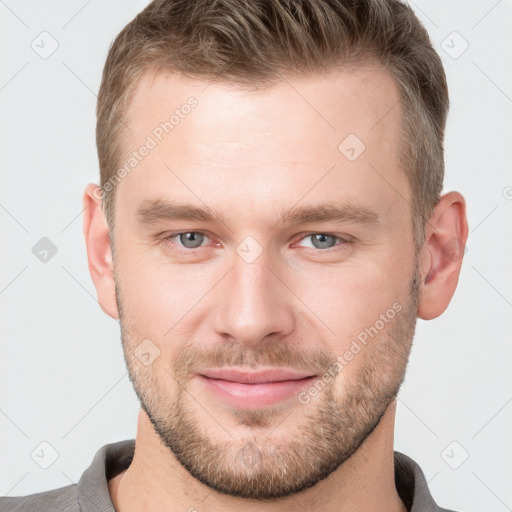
column 63, row 376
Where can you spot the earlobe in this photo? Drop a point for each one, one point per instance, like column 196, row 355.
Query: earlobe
column 99, row 252
column 442, row 254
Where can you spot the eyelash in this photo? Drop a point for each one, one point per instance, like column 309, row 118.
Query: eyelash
column 341, row 246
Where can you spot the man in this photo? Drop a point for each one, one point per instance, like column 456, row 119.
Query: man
column 268, row 229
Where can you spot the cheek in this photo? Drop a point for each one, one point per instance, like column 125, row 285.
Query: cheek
column 360, row 304
column 350, row 298
column 158, row 297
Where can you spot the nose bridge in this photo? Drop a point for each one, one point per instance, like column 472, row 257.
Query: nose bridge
column 254, row 302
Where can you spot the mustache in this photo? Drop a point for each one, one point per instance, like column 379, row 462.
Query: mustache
column 193, row 358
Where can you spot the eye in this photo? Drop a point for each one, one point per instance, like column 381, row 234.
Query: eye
column 325, row 240
column 188, row 239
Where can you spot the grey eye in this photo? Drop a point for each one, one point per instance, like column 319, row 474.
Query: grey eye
column 191, row 239
column 321, row 241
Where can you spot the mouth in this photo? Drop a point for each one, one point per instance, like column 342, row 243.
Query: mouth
column 250, row 390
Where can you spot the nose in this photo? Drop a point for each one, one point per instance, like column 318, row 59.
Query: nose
column 254, row 302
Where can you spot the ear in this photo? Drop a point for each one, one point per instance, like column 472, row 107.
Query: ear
column 99, row 252
column 441, row 256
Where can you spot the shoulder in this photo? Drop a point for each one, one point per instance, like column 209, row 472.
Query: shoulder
column 412, row 486
column 91, row 493
column 63, row 499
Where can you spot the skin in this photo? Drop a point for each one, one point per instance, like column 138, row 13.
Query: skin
column 251, row 156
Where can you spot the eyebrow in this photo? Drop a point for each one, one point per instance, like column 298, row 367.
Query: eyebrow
column 152, row 211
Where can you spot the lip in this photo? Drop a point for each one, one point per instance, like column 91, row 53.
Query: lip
column 254, row 390
column 261, row 377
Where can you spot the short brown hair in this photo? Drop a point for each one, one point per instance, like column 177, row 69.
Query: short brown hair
column 253, row 43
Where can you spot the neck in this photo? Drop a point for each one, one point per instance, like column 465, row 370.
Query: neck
column 156, row 481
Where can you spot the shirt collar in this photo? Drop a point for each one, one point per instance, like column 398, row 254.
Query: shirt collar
column 111, row 459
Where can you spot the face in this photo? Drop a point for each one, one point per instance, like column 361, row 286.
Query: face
column 269, row 276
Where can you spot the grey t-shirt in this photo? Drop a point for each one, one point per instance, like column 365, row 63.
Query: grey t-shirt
column 91, row 493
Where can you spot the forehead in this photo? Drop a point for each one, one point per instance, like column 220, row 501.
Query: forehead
column 256, row 144
column 355, row 98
